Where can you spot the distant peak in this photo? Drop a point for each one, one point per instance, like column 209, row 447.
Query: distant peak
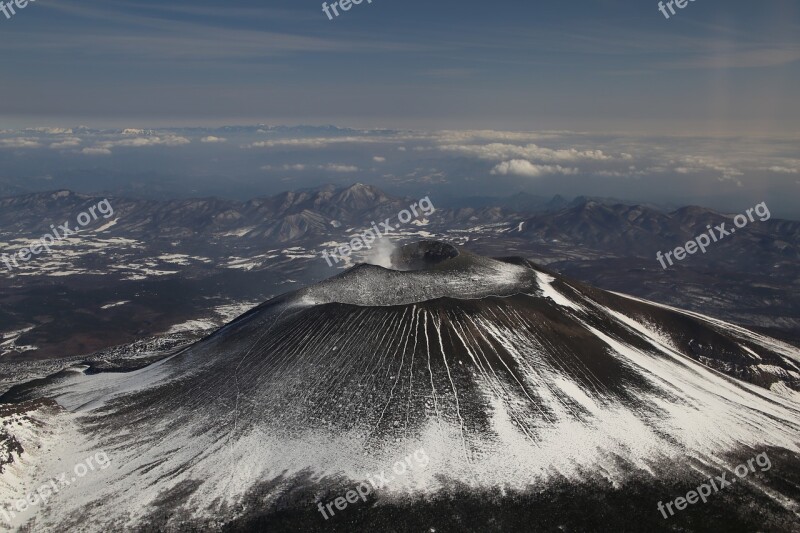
column 361, row 187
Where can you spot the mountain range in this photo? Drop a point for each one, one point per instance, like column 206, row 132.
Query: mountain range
column 156, row 265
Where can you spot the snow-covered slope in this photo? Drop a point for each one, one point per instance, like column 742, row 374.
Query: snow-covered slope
column 511, row 378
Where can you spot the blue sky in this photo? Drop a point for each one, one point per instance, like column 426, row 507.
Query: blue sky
column 716, row 67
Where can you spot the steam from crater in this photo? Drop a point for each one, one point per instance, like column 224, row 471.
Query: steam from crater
column 381, row 253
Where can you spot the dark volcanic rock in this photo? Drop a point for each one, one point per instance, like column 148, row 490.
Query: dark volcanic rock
column 422, row 255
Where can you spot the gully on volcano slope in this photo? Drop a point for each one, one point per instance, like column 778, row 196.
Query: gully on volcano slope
column 538, row 400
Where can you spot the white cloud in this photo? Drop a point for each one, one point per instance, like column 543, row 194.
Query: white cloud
column 523, row 167
column 693, row 164
column 330, row 167
column 168, row 140
column 318, row 142
column 501, row 151
column 298, row 166
column 20, row 142
column 69, row 142
column 784, row 170
column 52, row 131
column 314, row 143
column 456, row 136
column 212, row 139
column 333, row 167
column 96, row 151
column 379, row 159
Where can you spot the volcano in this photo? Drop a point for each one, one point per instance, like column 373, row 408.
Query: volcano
column 514, row 399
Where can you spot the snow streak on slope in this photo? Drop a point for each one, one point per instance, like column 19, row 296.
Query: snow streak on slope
column 748, row 342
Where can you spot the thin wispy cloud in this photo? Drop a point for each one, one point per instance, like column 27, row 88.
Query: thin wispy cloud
column 584, row 65
column 20, row 142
